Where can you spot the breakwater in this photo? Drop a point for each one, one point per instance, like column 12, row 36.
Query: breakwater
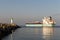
column 6, row 29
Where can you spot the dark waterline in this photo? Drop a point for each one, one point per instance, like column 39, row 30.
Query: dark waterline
column 45, row 33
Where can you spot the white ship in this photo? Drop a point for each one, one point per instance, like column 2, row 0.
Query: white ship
column 46, row 21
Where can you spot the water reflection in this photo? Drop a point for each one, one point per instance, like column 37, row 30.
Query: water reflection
column 36, row 31
column 48, row 33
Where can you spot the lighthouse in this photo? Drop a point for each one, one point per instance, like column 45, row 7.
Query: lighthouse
column 11, row 20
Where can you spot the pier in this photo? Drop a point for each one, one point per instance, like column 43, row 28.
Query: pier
column 6, row 29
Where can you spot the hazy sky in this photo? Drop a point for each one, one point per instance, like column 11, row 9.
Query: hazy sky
column 28, row 10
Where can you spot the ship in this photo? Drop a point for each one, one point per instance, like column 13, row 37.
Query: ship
column 46, row 21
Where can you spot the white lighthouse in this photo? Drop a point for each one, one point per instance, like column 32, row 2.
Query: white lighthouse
column 11, row 20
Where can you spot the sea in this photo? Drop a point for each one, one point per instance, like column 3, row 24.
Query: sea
column 35, row 33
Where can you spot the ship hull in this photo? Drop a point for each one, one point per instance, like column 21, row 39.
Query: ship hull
column 39, row 25
column 33, row 25
column 49, row 25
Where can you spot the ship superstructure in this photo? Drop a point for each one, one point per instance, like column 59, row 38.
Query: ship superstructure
column 48, row 21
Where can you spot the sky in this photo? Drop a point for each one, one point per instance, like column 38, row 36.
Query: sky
column 24, row 11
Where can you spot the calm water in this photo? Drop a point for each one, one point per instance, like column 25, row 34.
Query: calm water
column 45, row 33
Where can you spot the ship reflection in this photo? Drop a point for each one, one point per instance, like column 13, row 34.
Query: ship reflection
column 48, row 33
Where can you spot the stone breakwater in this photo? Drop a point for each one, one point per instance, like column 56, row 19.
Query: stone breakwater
column 6, row 29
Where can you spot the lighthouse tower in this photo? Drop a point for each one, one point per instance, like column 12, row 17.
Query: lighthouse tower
column 11, row 20
column 12, row 23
